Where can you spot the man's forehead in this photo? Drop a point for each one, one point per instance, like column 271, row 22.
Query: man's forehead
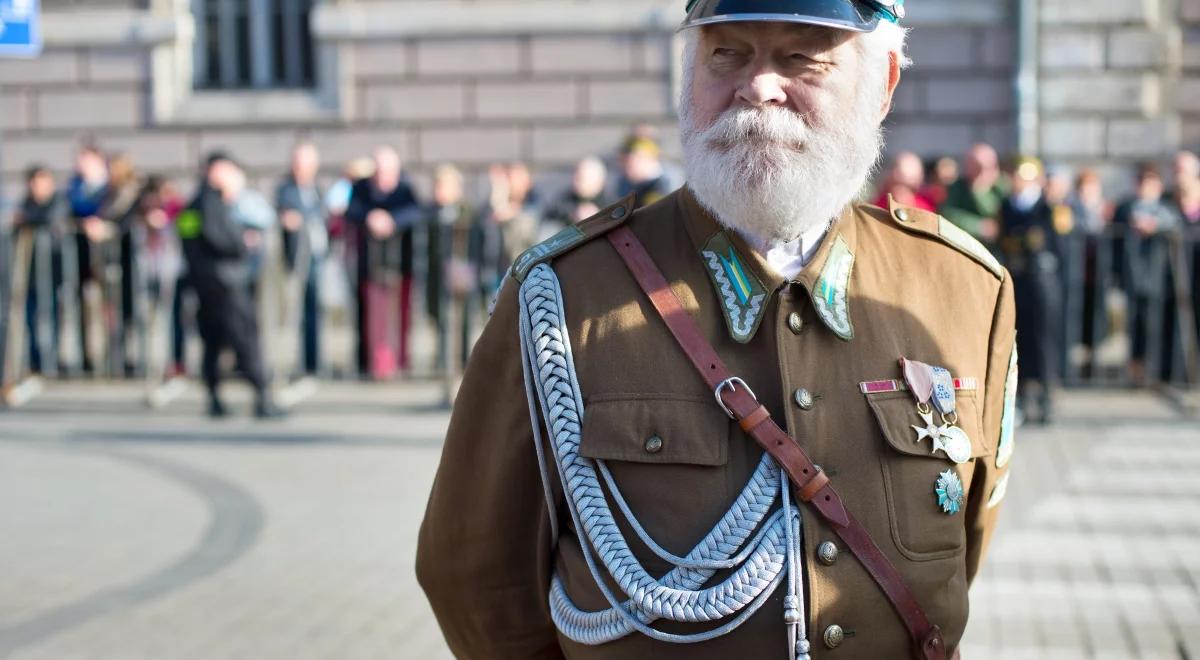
column 769, row 32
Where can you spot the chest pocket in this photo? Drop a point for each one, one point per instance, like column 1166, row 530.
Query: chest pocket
column 669, row 457
column 920, row 528
column 663, row 430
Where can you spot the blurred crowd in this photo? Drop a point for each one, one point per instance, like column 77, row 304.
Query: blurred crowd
column 100, row 262
column 1100, row 282
column 103, row 280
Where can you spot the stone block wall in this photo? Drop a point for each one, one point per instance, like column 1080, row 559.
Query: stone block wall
column 1120, row 81
column 1112, row 91
column 1189, row 87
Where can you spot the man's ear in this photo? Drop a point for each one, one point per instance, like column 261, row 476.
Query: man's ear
column 893, row 80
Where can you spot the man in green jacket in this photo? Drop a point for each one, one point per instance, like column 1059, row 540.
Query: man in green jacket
column 973, row 202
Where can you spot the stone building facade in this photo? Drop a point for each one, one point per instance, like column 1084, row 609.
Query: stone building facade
column 547, row 81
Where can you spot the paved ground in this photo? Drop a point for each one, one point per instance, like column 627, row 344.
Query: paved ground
column 126, row 534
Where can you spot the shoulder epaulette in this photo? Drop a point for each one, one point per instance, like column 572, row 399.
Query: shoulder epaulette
column 926, row 223
column 572, row 237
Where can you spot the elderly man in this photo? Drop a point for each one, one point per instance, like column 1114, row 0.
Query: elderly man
column 615, row 510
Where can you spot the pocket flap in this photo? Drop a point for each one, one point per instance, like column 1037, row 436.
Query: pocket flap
column 689, row 431
column 897, row 414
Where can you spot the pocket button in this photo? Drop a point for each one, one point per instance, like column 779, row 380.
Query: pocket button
column 654, row 444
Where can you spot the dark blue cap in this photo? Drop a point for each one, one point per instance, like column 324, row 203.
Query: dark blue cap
column 855, row 15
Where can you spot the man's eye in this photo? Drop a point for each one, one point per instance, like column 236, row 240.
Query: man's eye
column 725, row 52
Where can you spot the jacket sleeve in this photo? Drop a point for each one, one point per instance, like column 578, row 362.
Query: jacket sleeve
column 483, row 556
column 991, row 470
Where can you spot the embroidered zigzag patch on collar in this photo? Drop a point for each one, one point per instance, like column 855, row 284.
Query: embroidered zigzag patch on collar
column 830, row 296
column 742, row 294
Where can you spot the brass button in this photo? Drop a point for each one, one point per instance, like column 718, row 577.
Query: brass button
column 654, row 444
column 795, row 323
column 827, row 553
column 834, row 636
column 902, row 215
column 804, row 399
column 619, row 212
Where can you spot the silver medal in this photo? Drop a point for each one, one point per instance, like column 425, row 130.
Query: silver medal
column 930, row 430
column 955, row 443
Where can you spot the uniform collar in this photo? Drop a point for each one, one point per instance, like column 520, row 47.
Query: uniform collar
column 743, row 281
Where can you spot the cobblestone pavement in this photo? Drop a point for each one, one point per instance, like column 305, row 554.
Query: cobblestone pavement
column 126, row 534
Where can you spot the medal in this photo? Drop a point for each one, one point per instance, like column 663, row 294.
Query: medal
column 955, row 443
column 933, row 388
column 949, row 490
column 919, row 378
column 930, row 430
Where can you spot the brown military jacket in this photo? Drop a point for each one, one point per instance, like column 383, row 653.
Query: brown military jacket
column 885, row 284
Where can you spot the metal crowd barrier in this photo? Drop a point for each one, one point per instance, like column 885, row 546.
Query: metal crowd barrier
column 1130, row 300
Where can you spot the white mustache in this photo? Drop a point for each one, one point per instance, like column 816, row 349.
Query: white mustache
column 758, row 127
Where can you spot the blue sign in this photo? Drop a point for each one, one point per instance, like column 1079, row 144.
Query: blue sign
column 20, row 29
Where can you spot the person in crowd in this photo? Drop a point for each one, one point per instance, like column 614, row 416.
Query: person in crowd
column 256, row 215
column 642, row 172
column 337, row 198
column 904, row 182
column 455, row 295
column 45, row 212
column 112, row 244
column 1091, row 209
column 215, row 245
column 87, row 191
column 160, row 262
column 513, row 218
column 1032, row 247
column 303, row 218
column 1092, row 213
column 1143, row 261
column 582, row 200
column 1187, row 180
column 973, row 202
column 940, row 174
column 383, row 210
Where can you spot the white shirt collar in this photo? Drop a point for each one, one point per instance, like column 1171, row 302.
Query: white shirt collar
column 789, row 258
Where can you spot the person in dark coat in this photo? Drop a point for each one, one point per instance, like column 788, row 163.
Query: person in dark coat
column 46, row 212
column 456, row 295
column 1033, row 244
column 215, row 248
column 382, row 212
column 87, row 192
column 583, row 200
column 1143, row 262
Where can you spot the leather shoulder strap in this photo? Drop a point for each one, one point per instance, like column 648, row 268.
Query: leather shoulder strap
column 812, row 484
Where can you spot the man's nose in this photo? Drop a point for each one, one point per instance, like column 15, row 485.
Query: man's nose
column 762, row 89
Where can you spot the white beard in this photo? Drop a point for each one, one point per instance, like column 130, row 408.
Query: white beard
column 771, row 175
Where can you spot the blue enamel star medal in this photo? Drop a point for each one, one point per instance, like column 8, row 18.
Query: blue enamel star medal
column 949, row 491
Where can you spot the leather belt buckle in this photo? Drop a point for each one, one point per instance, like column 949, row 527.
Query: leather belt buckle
column 731, row 385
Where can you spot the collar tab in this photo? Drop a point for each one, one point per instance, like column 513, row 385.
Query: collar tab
column 831, row 296
column 742, row 294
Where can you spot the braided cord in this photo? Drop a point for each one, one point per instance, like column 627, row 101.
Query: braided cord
column 761, row 565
